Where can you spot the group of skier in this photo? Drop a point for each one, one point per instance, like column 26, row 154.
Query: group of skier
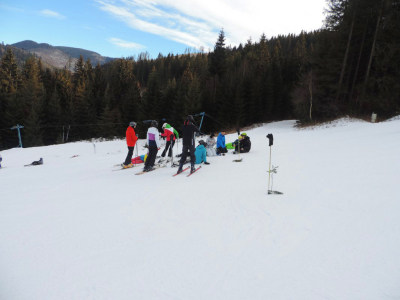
column 189, row 129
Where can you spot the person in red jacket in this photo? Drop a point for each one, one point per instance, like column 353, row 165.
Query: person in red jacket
column 131, row 139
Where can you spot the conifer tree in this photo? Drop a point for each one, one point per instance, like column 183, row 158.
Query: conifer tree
column 218, row 57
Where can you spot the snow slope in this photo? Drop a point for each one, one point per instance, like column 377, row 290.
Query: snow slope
column 72, row 229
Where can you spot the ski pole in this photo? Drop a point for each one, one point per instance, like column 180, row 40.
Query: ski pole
column 172, row 154
column 238, row 132
column 135, row 150
column 271, row 142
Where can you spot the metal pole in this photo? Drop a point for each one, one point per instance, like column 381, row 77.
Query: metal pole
column 19, row 134
column 201, row 122
column 269, row 172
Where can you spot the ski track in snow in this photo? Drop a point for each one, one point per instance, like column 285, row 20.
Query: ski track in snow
column 72, row 229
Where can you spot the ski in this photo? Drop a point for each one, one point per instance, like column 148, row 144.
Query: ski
column 143, row 172
column 30, row 165
column 123, row 169
column 181, row 172
column 194, row 171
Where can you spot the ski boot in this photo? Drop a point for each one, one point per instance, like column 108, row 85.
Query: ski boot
column 192, row 167
column 161, row 160
column 150, row 169
column 180, row 168
column 127, row 166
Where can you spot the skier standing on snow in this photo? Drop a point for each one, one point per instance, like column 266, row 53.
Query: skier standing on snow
column 153, row 141
column 188, row 142
column 131, row 139
column 171, row 134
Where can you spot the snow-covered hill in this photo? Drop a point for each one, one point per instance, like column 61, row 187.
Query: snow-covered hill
column 72, row 229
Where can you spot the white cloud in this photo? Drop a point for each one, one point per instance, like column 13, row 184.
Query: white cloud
column 125, row 44
column 52, row 14
column 197, row 23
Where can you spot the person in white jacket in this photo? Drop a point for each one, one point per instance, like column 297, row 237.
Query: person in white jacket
column 153, row 141
column 210, row 143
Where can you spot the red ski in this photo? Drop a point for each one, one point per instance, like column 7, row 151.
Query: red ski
column 181, row 172
column 194, row 171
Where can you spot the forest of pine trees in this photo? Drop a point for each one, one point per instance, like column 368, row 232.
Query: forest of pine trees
column 351, row 66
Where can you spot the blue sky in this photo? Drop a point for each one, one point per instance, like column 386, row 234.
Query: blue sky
column 120, row 28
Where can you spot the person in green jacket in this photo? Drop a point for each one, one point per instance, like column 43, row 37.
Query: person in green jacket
column 171, row 135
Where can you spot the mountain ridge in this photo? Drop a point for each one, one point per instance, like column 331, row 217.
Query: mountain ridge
column 61, row 56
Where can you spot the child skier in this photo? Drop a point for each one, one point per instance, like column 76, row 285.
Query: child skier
column 131, row 139
column 153, row 141
column 171, row 134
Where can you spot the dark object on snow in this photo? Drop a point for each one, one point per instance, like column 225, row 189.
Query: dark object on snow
column 36, row 163
column 271, row 139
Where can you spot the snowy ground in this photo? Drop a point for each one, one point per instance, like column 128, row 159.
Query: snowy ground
column 72, row 229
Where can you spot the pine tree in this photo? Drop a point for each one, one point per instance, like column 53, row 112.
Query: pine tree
column 218, row 57
column 9, row 76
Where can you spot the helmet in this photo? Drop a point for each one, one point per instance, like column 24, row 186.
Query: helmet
column 132, row 124
column 164, row 125
column 154, row 123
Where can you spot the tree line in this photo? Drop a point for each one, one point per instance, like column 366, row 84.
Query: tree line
column 351, row 66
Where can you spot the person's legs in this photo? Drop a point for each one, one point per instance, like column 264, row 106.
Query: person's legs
column 172, row 143
column 129, row 156
column 192, row 157
column 183, row 158
column 166, row 148
column 153, row 154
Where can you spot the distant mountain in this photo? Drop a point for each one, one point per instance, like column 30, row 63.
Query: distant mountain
column 59, row 56
column 21, row 55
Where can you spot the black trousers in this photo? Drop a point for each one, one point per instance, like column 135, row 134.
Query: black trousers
column 185, row 150
column 151, row 158
column 222, row 150
column 128, row 159
column 167, row 145
column 241, row 151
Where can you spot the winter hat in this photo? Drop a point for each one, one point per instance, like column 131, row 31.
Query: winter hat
column 167, row 126
column 202, row 142
column 132, row 124
column 154, row 123
column 212, row 135
column 244, row 134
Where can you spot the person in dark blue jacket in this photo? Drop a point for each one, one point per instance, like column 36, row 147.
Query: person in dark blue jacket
column 201, row 153
column 221, row 148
